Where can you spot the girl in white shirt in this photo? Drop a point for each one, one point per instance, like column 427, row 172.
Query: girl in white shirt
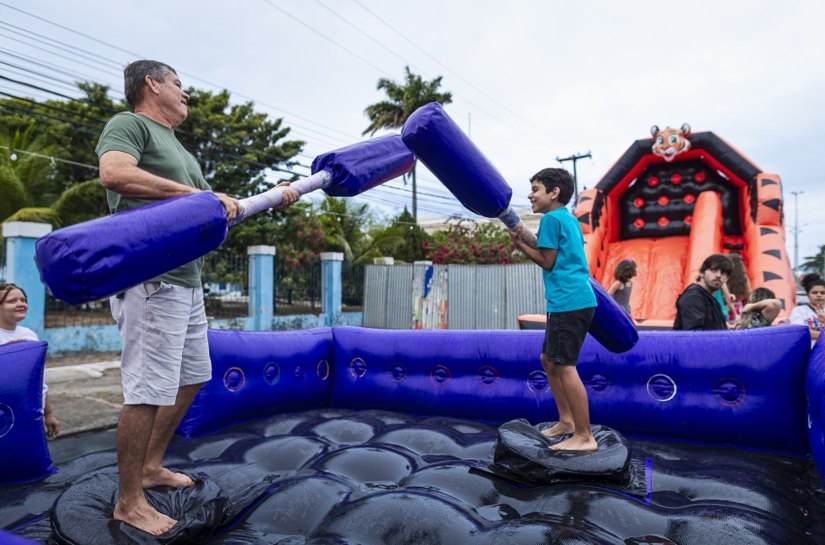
column 812, row 314
column 13, row 308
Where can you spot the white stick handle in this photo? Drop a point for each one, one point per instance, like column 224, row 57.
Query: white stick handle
column 275, row 196
column 510, row 218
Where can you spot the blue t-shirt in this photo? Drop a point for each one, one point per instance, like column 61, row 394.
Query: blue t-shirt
column 567, row 285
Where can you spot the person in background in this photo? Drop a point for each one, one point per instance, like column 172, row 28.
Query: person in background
column 13, row 308
column 696, row 308
column 739, row 286
column 812, row 314
column 761, row 310
column 622, row 287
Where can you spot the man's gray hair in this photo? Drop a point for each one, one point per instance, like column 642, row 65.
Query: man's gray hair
column 134, row 75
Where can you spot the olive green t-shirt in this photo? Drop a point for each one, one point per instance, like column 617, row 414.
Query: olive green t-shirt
column 158, row 152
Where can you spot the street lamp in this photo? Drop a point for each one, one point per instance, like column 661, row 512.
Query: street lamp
column 796, row 232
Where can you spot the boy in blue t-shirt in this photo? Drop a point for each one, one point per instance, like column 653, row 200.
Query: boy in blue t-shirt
column 571, row 302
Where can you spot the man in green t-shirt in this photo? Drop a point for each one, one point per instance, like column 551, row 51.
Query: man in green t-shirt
column 162, row 322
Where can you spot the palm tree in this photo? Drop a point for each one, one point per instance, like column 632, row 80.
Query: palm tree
column 31, row 190
column 402, row 101
column 816, row 263
column 26, row 177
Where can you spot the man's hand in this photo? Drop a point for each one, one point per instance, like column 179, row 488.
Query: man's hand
column 231, row 205
column 289, row 196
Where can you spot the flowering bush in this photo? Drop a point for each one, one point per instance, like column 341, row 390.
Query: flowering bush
column 485, row 244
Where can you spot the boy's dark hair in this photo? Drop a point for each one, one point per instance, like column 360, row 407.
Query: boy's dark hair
column 5, row 290
column 810, row 281
column 556, row 177
column 134, row 74
column 717, row 262
column 625, row 270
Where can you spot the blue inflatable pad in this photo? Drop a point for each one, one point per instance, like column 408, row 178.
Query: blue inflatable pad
column 815, row 390
column 260, row 373
column 435, row 139
column 362, row 166
column 24, row 455
column 522, row 453
column 104, row 256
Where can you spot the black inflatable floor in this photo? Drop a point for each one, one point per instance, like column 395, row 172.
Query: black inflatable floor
column 373, row 477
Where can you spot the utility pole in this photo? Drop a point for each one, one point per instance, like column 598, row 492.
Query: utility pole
column 796, row 233
column 575, row 157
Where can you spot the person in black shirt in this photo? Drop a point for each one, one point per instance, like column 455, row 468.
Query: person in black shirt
column 696, row 308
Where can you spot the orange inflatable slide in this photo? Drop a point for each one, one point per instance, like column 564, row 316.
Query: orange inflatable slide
column 672, row 200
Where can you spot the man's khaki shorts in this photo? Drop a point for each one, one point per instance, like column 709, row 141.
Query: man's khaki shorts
column 163, row 328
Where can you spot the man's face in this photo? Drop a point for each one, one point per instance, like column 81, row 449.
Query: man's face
column 173, row 99
column 713, row 279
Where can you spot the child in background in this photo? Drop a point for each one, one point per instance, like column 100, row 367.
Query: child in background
column 761, row 310
column 812, row 314
column 621, row 289
column 739, row 286
column 13, row 308
column 571, row 303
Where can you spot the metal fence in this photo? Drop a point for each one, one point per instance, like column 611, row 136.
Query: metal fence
column 297, row 287
column 352, row 287
column 457, row 296
column 225, row 280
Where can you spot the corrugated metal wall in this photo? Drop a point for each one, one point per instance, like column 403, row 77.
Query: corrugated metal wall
column 478, row 296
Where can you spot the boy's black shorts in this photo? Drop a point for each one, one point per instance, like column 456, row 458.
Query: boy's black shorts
column 564, row 335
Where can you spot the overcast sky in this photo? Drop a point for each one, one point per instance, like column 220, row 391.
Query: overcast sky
column 531, row 80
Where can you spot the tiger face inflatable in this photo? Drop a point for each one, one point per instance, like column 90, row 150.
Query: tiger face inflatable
column 669, row 143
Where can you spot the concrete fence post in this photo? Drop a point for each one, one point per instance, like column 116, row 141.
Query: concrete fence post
column 20, row 237
column 331, row 286
column 261, row 286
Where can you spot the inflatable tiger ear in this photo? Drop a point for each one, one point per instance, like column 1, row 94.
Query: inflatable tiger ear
column 669, row 143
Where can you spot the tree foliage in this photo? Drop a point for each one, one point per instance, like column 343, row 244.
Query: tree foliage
column 402, row 100
column 815, row 263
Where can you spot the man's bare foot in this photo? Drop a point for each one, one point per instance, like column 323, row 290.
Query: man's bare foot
column 144, row 517
column 558, row 429
column 164, row 477
column 577, row 443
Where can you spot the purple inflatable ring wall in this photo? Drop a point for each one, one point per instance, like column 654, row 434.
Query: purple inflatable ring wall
column 736, row 388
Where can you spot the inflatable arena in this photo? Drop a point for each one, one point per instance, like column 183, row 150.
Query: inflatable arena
column 349, row 435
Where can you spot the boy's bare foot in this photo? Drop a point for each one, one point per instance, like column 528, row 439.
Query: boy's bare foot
column 577, row 443
column 557, row 429
column 144, row 517
column 165, row 477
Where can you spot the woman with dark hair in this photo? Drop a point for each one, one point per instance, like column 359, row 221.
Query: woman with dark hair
column 13, row 308
column 812, row 314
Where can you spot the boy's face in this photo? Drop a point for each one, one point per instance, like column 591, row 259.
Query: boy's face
column 541, row 200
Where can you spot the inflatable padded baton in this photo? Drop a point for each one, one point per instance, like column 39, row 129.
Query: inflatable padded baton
column 104, row 256
column 435, row 139
column 611, row 325
column 24, row 455
column 362, row 166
